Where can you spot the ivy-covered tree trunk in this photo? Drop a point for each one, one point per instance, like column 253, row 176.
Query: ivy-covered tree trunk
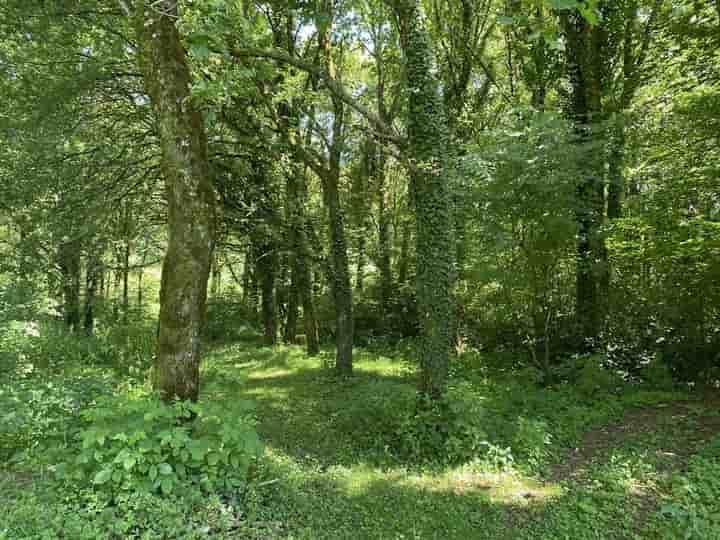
column 341, row 285
column 190, row 197
column 585, row 44
column 427, row 133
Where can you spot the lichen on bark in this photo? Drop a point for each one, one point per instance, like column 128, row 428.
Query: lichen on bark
column 190, row 197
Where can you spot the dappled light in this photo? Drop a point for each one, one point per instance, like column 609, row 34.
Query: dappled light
column 360, row 270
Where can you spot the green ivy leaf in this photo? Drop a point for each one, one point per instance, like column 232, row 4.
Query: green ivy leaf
column 166, row 485
column 102, row 477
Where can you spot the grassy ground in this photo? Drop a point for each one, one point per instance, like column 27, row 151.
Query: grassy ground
column 334, row 482
column 609, row 463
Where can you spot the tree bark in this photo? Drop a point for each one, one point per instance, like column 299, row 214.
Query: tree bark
column 428, row 136
column 190, row 197
column 341, row 285
column 585, row 44
column 266, row 266
column 340, row 280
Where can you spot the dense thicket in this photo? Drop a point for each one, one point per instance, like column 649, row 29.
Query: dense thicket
column 540, row 177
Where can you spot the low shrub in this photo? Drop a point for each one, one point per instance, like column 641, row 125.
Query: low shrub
column 134, row 443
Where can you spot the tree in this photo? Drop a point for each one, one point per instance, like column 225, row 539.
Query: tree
column 427, row 143
column 190, row 198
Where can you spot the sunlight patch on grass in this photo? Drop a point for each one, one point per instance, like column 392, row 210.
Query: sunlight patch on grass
column 508, row 487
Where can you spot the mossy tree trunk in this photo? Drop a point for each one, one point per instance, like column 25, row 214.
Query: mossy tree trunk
column 330, row 180
column 427, row 134
column 190, row 197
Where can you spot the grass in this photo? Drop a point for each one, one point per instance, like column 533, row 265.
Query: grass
column 334, row 481
column 561, row 463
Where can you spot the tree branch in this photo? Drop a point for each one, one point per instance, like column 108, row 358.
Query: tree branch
column 336, row 88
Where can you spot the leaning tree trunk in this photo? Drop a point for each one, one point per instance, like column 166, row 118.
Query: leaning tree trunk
column 427, row 134
column 190, row 198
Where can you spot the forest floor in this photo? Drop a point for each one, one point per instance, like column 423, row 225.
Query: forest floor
column 325, row 477
column 574, row 461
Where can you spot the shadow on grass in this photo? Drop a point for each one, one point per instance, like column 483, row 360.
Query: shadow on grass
column 361, row 502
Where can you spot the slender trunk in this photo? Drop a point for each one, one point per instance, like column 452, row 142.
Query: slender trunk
column 340, row 279
column 616, row 178
column 292, row 309
column 190, row 198
column 92, row 274
column 404, row 258
column 386, row 278
column 360, row 269
column 126, row 279
column 266, row 265
column 216, row 277
column 301, row 279
column 341, row 285
column 69, row 259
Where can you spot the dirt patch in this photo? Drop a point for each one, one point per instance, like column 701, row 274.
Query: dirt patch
column 677, row 431
column 691, row 422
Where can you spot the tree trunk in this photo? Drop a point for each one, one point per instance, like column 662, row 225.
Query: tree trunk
column 404, row 258
column 585, row 45
column 341, row 285
column 340, row 280
column 190, row 198
column 427, row 135
column 386, row 278
column 126, row 279
column 69, row 259
column 266, row 265
column 92, row 274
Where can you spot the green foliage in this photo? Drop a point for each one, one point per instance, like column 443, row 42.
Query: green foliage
column 693, row 512
column 594, row 378
column 136, row 443
column 40, row 410
column 48, row 512
column 449, row 431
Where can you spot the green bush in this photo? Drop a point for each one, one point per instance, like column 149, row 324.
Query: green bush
column 449, row 431
column 138, row 443
column 39, row 409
